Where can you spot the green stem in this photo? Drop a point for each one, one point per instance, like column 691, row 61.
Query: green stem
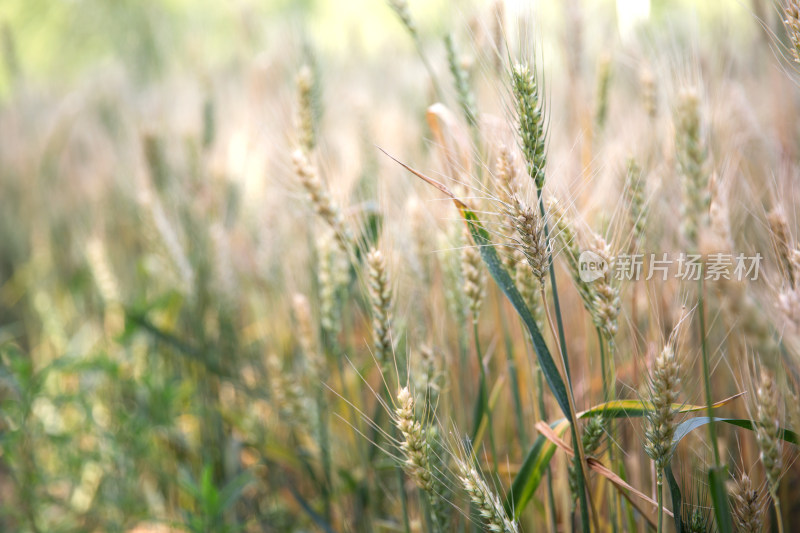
column 603, row 365
column 512, row 374
column 403, row 500
column 609, row 394
column 551, row 505
column 707, row 372
column 484, row 394
column 778, row 515
column 576, row 441
column 325, row 451
column 660, row 496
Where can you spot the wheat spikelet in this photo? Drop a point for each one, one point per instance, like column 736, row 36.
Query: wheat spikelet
column 665, row 385
column 505, row 174
column 531, row 237
column 531, row 121
column 414, row 444
column 305, row 111
column 466, row 100
column 768, row 430
column 692, row 160
column 416, row 447
column 606, row 305
column 637, row 208
column 380, row 294
column 747, row 505
column 563, row 229
column 484, row 498
column 592, row 436
column 784, row 244
column 600, row 297
column 529, row 288
column 474, row 276
column 320, row 198
column 791, row 21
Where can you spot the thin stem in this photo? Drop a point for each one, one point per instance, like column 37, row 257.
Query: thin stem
column 512, row 374
column 580, row 457
column 484, row 394
column 550, row 323
column 551, row 506
column 707, row 372
column 403, row 500
column 778, row 516
column 603, row 365
column 660, row 496
column 608, row 395
column 325, row 451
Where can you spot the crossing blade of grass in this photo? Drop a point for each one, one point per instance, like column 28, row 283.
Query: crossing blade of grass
column 675, row 492
column 492, row 401
column 532, row 471
column 687, row 426
column 503, row 280
column 716, row 476
column 306, row 507
column 549, row 368
column 538, row 459
column 623, row 487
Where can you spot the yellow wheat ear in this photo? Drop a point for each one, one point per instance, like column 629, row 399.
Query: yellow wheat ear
column 748, row 505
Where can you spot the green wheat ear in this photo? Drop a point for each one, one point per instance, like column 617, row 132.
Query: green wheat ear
column 530, row 109
column 466, row 99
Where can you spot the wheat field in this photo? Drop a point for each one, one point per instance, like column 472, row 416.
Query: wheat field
column 399, row 266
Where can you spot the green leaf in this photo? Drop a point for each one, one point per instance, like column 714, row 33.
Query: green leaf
column 532, row 471
column 717, row 477
column 675, row 491
column 719, row 497
column 480, row 412
column 687, row 426
column 503, row 280
column 232, row 491
column 538, row 458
